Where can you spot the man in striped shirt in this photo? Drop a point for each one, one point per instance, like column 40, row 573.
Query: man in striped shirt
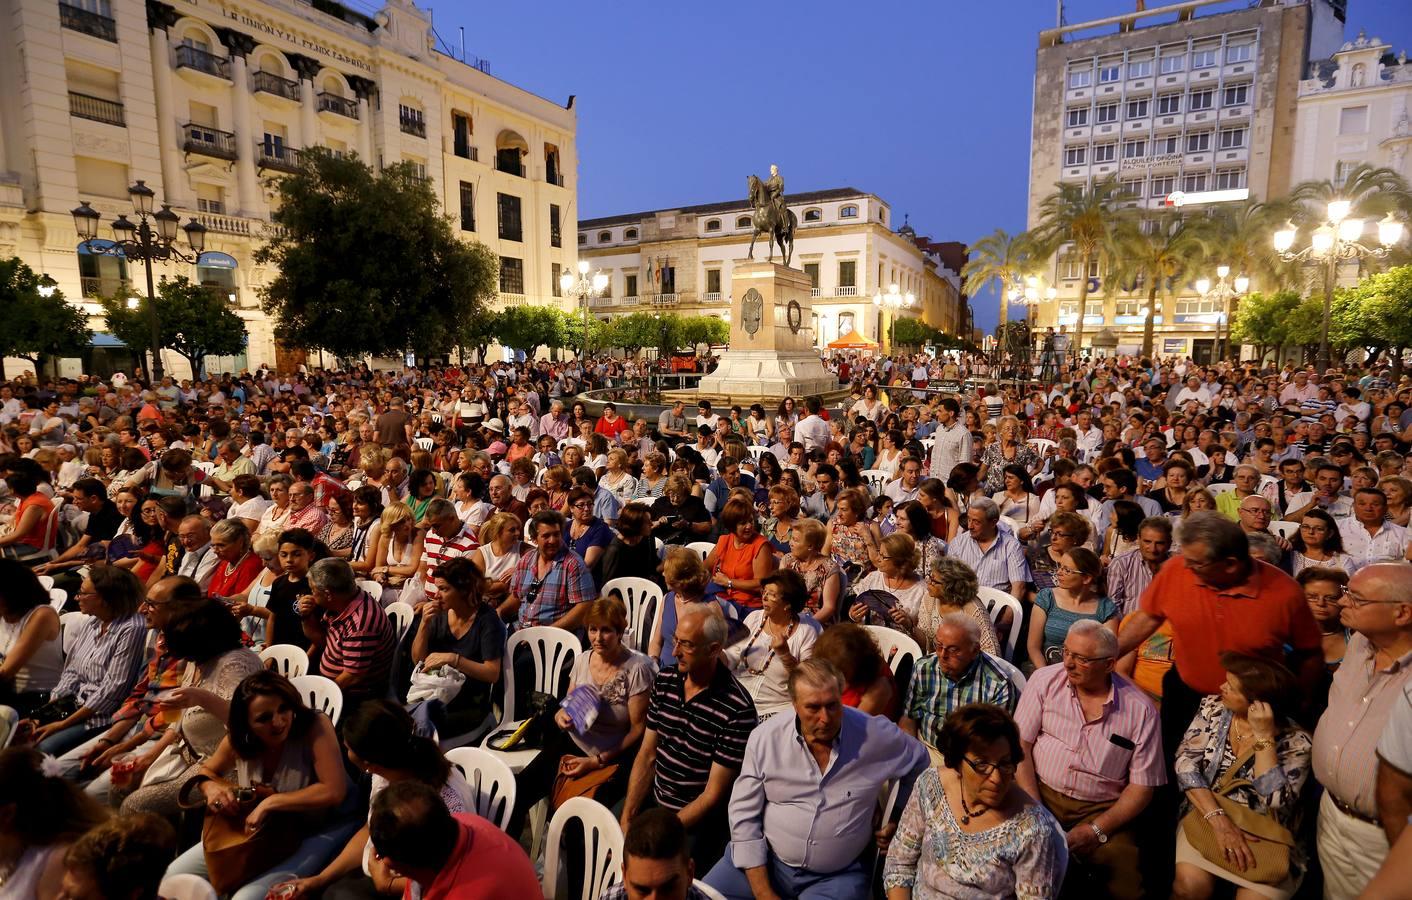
column 447, row 538
column 958, row 673
column 349, row 627
column 1093, row 754
column 699, row 718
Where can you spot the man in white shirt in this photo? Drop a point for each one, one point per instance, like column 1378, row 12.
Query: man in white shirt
column 1088, row 436
column 812, row 431
column 908, row 482
column 704, row 416
column 951, row 442
column 1367, row 535
column 1194, row 391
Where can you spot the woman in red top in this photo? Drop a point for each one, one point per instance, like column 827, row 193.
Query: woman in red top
column 742, row 556
column 238, row 566
column 29, row 527
column 870, row 686
column 610, row 424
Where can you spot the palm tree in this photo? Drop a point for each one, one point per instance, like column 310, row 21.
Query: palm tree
column 1084, row 216
column 1155, row 251
column 1001, row 258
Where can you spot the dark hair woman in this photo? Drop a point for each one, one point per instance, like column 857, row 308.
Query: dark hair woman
column 31, row 652
column 41, row 814
column 459, row 630
column 868, row 682
column 121, row 859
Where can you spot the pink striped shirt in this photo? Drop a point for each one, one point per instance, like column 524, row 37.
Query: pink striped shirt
column 1081, row 759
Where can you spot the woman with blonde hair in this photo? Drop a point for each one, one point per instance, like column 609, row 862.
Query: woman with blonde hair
column 372, row 462
column 556, row 484
column 686, row 576
column 501, row 543
column 399, row 550
column 653, row 482
column 617, row 480
column 784, row 512
column 1399, row 499
column 852, row 540
column 822, row 576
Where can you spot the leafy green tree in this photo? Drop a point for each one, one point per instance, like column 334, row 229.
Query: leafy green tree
column 637, row 330
column 1264, row 320
column 1000, row 258
column 910, row 332
column 192, row 319
column 1084, row 217
column 479, row 332
column 1376, row 314
column 35, row 327
column 704, row 330
column 527, row 328
column 366, row 263
column 1154, row 251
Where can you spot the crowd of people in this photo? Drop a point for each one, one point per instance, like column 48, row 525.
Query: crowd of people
column 1146, row 631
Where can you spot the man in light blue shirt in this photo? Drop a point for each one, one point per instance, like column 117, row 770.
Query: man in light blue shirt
column 801, row 812
column 1121, row 484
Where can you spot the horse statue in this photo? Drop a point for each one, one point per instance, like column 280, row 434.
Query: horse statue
column 777, row 221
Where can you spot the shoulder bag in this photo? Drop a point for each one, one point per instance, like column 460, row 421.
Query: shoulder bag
column 1268, row 839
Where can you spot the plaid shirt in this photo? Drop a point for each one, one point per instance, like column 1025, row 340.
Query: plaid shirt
column 543, row 600
column 932, row 696
column 162, row 673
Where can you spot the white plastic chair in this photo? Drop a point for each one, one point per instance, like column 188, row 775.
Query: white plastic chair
column 289, row 660
column 425, row 443
column 896, row 647
column 1219, row 489
column 401, row 615
column 757, row 451
column 702, row 547
column 877, row 480
column 1286, row 530
column 46, row 581
column 57, row 599
column 492, row 783
column 185, row 887
column 707, row 891
column 996, row 600
column 320, row 693
column 9, row 724
column 1015, row 525
column 643, row 600
column 371, row 587
column 51, row 538
column 602, row 848
column 69, row 624
column 1017, row 678
column 554, row 650
column 1043, row 446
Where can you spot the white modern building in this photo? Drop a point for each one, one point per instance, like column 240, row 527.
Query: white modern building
column 680, row 260
column 1355, row 107
column 207, row 100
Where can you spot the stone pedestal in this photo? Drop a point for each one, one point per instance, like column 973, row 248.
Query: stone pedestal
column 772, row 353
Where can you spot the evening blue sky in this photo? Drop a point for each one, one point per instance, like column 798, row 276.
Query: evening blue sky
column 926, row 104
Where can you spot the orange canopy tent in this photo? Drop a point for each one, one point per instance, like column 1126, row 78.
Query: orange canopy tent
column 853, row 341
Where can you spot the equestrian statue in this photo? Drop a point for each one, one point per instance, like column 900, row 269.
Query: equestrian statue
column 771, row 216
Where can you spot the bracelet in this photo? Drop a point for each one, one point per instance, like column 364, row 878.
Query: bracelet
column 1214, row 813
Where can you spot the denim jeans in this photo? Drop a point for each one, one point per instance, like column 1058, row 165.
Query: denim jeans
column 61, row 742
column 311, row 857
column 848, row 883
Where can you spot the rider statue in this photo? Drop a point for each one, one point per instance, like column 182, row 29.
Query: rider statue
column 774, row 192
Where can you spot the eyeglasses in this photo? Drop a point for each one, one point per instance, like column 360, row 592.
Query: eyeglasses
column 986, row 769
column 1358, row 602
column 1256, row 512
column 1083, row 660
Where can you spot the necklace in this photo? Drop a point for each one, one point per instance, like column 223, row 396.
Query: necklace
column 966, row 814
column 764, row 623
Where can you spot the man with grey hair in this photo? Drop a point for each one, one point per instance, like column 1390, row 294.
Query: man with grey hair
column 994, row 552
column 231, row 464
column 355, row 640
column 801, row 809
column 198, row 561
column 447, row 537
column 699, row 718
column 955, row 674
column 1092, row 754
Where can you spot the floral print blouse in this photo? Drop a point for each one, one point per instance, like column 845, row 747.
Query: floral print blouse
column 1024, row 857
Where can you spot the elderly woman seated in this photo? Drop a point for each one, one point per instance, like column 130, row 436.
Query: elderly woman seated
column 781, row 635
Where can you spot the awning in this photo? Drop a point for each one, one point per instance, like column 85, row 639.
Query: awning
column 215, row 259
column 98, row 245
column 104, row 340
column 852, row 341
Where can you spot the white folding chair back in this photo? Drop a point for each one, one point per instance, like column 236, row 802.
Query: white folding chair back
column 1017, row 678
column 320, row 693
column 286, row 659
column 643, row 600
column 1219, row 489
column 401, row 615
column 757, row 451
column 895, row 646
column 425, row 443
column 877, row 480
column 185, row 887
column 57, row 599
column 661, row 549
column 373, row 589
column 46, row 581
column 554, row 650
column 1268, row 481
column 996, row 600
column 707, row 891
column 1015, row 525
column 702, row 547
column 1285, row 530
column 602, row 850
column 69, row 624
column 9, row 723
column 1042, row 446
column 887, row 799
column 492, row 783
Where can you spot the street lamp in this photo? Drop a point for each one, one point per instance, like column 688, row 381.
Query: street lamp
column 894, row 300
column 1032, row 295
column 1223, row 292
column 47, row 286
column 151, row 238
column 583, row 289
column 1338, row 239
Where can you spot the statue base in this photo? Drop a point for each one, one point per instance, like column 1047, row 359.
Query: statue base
column 776, row 359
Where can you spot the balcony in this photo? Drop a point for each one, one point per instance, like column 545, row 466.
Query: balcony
column 275, row 86
column 513, row 300
column 338, row 105
column 466, row 151
column 816, row 292
column 269, row 155
column 92, row 286
column 207, row 141
column 600, row 302
column 413, row 125
column 555, row 178
column 196, row 60
column 510, row 168
column 84, row 106
column 711, row 297
column 849, row 290
column 664, row 301
column 219, row 223
column 95, row 24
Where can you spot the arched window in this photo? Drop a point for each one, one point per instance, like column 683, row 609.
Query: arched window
column 813, row 215
column 583, row 239
column 630, row 234
column 605, row 237
column 713, row 224
column 742, row 222
column 848, row 212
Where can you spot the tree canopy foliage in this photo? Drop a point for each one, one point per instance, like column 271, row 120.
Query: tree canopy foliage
column 1374, row 315
column 366, row 263
column 35, row 327
column 193, row 320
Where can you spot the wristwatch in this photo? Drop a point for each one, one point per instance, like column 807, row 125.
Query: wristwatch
column 1102, row 838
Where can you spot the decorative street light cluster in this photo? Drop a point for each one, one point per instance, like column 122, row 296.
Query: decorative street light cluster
column 1030, row 294
column 583, row 288
column 894, row 300
column 1223, row 292
column 1338, row 239
column 152, row 237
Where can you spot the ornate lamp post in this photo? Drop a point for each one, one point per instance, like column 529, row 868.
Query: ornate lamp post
column 1338, row 239
column 1030, row 295
column 1223, row 292
column 583, row 288
column 152, row 237
column 893, row 300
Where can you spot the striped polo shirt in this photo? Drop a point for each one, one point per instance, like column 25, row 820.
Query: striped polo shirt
column 360, row 641
column 437, row 550
column 711, row 727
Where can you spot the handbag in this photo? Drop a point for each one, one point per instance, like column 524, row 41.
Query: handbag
column 567, row 787
column 530, row 733
column 1268, row 840
column 56, row 710
column 235, row 856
